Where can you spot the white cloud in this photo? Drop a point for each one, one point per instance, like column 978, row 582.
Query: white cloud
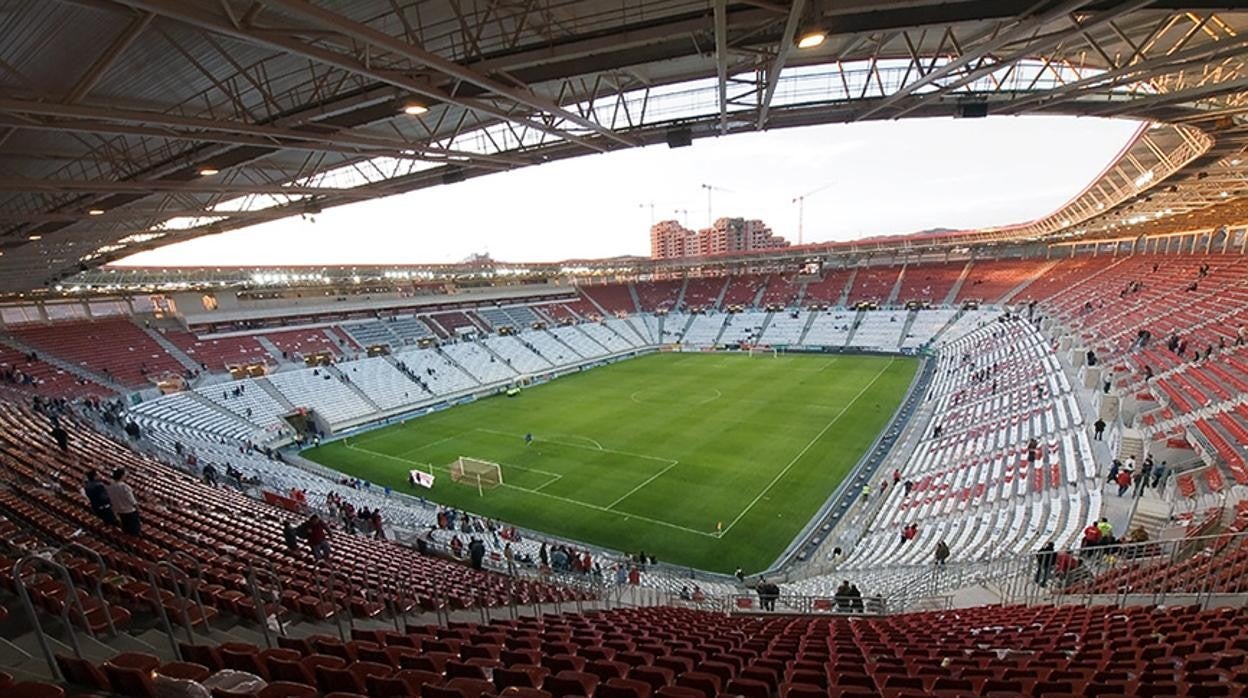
column 887, row 178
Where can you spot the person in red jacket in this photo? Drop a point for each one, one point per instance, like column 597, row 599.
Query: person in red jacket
column 317, row 534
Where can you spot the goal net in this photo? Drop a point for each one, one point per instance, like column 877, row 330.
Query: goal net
column 479, row 473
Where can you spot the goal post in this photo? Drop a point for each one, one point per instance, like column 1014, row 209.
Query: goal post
column 481, row 473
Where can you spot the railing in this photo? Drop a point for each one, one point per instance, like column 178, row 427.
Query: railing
column 73, row 602
column 179, row 579
column 259, row 598
column 97, row 587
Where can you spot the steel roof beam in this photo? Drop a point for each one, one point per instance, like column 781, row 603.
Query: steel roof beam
column 782, row 57
column 94, row 118
column 280, row 40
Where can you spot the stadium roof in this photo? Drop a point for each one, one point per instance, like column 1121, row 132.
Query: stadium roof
column 127, row 124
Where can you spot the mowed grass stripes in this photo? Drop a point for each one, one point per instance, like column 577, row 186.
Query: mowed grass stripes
column 654, row 453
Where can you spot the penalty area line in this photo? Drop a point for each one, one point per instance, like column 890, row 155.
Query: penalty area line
column 548, row 495
column 645, row 482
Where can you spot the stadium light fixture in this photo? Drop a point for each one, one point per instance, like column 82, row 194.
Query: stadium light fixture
column 414, row 108
column 812, row 32
column 813, row 37
column 208, row 171
column 34, row 238
column 95, row 212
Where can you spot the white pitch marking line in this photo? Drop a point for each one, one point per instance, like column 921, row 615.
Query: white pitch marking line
column 581, row 446
column 806, row 448
column 578, row 503
column 645, row 482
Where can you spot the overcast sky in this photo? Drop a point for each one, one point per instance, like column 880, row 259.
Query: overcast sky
column 875, row 178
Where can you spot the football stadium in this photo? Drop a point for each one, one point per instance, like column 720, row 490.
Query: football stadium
column 333, row 362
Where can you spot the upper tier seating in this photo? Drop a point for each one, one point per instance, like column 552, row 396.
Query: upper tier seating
column 217, row 353
column 614, row 298
column 742, row 289
column 453, row 322
column 115, row 348
column 42, row 378
column 873, row 284
column 988, row 280
column 655, row 296
column 781, row 290
column 303, row 342
column 372, row 333
column 520, row 317
column 703, row 293
column 827, row 290
column 928, row 282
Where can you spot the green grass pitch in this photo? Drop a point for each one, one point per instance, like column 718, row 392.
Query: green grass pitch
column 652, row 453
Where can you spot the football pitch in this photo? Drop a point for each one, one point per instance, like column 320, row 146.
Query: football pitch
column 654, row 453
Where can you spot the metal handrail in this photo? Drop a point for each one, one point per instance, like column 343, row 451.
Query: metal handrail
column 194, row 588
column 97, row 585
column 154, row 579
column 29, row 605
column 327, row 597
column 257, row 600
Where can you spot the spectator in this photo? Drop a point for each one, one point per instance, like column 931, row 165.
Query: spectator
column 634, row 575
column 60, row 436
column 317, row 534
column 121, row 497
column 844, row 599
column 476, row 552
column 1045, row 559
column 210, row 475
column 855, row 598
column 291, row 536
column 1106, row 529
column 97, row 498
column 1114, row 467
column 510, row 557
column 1098, row 429
column 1124, row 481
column 1160, row 473
column 942, row 553
column 1091, row 536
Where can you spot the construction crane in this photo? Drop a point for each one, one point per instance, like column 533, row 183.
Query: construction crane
column 652, row 204
column 709, row 190
column 801, row 208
